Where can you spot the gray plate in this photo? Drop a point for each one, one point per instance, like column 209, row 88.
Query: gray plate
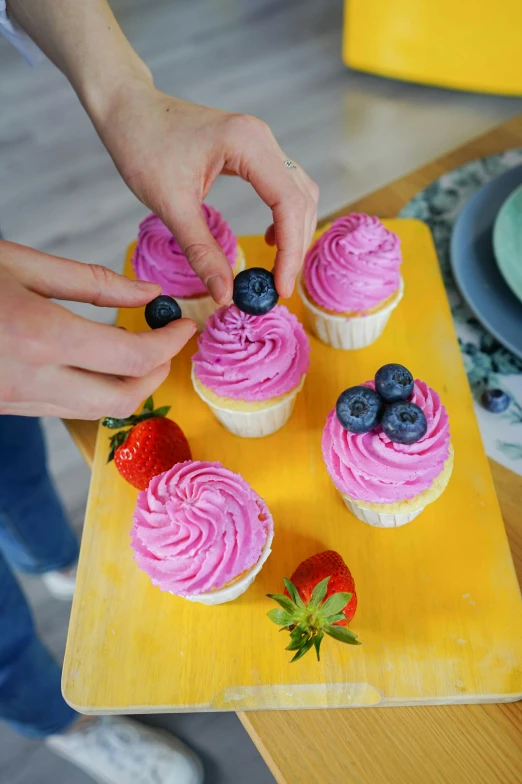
column 474, row 265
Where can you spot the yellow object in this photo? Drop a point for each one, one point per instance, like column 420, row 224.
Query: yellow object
column 467, row 45
column 439, row 606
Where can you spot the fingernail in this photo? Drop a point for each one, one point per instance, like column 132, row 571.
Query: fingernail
column 217, row 287
column 145, row 285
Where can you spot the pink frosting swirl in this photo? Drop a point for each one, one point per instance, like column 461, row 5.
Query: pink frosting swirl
column 252, row 358
column 370, row 467
column 354, row 265
column 197, row 527
column 159, row 258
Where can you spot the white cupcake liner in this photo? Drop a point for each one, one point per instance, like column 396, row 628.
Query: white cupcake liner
column 254, row 424
column 231, row 592
column 200, row 308
column 348, row 333
column 380, row 519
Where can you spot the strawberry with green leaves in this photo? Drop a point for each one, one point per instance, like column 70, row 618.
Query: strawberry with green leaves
column 151, row 445
column 319, row 599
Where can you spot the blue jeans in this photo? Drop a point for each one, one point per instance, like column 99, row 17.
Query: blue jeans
column 35, row 537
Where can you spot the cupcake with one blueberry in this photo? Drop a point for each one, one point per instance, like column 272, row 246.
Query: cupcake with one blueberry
column 201, row 532
column 351, row 281
column 387, row 447
column 158, row 257
column 252, row 359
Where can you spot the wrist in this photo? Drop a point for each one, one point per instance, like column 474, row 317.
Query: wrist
column 100, row 95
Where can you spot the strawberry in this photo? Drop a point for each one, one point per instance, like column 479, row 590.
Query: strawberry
column 327, row 564
column 319, row 599
column 152, row 445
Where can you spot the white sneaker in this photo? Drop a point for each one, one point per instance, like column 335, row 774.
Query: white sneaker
column 114, row 750
column 60, row 584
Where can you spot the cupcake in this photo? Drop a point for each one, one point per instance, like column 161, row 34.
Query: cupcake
column 400, row 462
column 351, row 281
column 159, row 258
column 201, row 532
column 249, row 369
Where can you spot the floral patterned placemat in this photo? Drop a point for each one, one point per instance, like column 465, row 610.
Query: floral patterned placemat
column 488, row 363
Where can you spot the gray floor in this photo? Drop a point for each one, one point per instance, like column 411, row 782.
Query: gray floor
column 60, row 193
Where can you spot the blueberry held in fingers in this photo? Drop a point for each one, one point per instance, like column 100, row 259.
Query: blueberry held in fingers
column 495, row 400
column 404, row 422
column 161, row 311
column 394, row 382
column 359, row 409
column 254, row 291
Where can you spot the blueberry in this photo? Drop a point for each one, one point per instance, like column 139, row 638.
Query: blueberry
column 495, row 400
column 162, row 311
column 254, row 291
column 359, row 409
column 394, row 382
column 404, row 423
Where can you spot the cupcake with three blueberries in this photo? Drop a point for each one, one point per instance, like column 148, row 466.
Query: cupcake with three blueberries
column 387, row 447
column 352, row 282
column 158, row 258
column 201, row 532
column 252, row 359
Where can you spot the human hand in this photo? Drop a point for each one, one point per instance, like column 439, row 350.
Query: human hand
column 54, row 363
column 169, row 152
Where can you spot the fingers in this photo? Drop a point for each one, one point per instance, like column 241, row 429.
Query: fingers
column 204, row 254
column 292, row 197
column 45, row 333
column 64, row 279
column 55, row 362
column 311, row 218
column 104, row 349
column 76, row 394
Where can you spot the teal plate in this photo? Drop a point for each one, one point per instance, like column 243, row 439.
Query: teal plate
column 507, row 241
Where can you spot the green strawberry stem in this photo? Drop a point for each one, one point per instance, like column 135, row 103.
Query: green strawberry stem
column 308, row 623
column 118, row 439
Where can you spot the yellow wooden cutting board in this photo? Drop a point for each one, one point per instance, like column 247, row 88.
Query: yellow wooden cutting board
column 440, row 613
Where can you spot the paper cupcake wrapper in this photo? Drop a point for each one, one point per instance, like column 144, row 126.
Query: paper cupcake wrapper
column 254, row 424
column 231, row 592
column 348, row 333
column 380, row 519
column 200, row 308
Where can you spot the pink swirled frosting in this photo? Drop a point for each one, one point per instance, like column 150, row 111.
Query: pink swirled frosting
column 370, row 467
column 197, row 527
column 252, row 358
column 159, row 258
column 354, row 265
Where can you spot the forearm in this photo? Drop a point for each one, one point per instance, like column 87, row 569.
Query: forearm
column 84, row 40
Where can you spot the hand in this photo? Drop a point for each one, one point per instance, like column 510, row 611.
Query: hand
column 169, row 152
column 54, row 363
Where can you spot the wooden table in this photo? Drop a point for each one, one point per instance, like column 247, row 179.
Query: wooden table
column 434, row 745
